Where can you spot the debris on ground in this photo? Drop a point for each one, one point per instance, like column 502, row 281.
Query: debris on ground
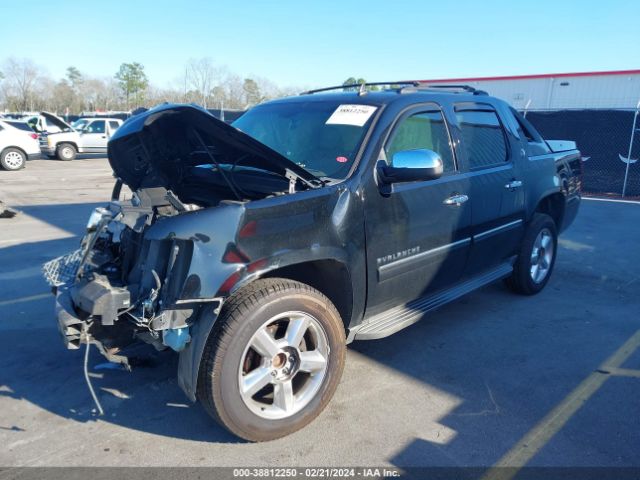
column 6, row 212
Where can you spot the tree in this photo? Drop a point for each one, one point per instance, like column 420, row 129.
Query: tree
column 251, row 92
column 133, row 82
column 352, row 81
column 19, row 87
column 75, row 77
column 202, row 75
column 359, row 81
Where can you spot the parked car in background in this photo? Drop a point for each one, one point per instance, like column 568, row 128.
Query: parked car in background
column 18, row 143
column 85, row 135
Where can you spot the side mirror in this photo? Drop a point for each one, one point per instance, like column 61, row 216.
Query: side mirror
column 412, row 166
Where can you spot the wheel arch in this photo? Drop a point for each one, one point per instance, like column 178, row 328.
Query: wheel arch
column 330, row 277
column 70, row 142
column 554, row 206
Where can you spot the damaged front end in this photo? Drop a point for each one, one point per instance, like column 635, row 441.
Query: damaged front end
column 120, row 287
column 149, row 265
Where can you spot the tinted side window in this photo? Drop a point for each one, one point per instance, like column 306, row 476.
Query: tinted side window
column 113, row 125
column 96, row 127
column 21, row 126
column 483, row 138
column 424, row 130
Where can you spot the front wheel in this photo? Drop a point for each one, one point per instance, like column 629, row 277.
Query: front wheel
column 273, row 360
column 66, row 152
column 537, row 256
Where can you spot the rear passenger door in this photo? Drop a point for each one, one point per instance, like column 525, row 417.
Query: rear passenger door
column 496, row 185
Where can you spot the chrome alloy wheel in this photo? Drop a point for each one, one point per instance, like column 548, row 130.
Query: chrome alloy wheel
column 542, row 255
column 14, row 160
column 283, row 365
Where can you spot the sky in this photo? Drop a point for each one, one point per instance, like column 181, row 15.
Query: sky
column 310, row 44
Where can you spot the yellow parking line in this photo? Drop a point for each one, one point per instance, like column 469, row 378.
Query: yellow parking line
column 509, row 465
column 25, row 299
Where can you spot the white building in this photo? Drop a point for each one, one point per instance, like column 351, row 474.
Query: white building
column 558, row 91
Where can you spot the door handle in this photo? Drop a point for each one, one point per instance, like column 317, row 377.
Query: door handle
column 104, row 136
column 456, row 200
column 513, row 184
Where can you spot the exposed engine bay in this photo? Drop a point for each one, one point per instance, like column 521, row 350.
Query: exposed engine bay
column 118, row 278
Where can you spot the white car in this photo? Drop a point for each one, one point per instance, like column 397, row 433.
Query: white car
column 86, row 135
column 18, row 143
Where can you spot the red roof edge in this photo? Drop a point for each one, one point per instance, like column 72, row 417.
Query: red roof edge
column 542, row 75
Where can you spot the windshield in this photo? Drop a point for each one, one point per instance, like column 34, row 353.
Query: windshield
column 321, row 137
column 80, row 124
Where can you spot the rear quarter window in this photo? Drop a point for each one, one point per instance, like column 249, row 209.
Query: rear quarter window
column 483, row 138
column 21, row 126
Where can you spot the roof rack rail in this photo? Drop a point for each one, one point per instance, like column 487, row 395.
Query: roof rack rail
column 359, row 86
column 424, row 86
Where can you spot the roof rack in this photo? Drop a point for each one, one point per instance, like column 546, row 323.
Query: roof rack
column 359, row 86
column 424, row 86
column 404, row 86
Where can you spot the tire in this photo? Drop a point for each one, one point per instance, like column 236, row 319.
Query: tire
column 12, row 159
column 66, row 152
column 537, row 256
column 237, row 351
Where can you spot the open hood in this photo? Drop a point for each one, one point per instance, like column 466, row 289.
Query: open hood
column 57, row 121
column 161, row 146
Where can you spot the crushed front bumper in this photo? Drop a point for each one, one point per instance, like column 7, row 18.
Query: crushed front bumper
column 70, row 325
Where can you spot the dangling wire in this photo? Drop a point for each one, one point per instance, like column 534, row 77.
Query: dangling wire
column 86, row 372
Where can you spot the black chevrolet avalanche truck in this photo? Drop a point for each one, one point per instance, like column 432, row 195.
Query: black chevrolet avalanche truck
column 259, row 250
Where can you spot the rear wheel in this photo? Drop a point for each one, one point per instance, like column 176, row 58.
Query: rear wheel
column 273, row 361
column 537, row 256
column 12, row 159
column 66, row 152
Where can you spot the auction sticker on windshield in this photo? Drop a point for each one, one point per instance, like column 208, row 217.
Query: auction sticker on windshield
column 356, row 115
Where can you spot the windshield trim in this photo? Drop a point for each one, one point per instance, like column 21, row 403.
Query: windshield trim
column 365, row 140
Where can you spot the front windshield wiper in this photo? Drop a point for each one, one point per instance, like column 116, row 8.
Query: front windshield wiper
column 294, row 177
column 320, row 175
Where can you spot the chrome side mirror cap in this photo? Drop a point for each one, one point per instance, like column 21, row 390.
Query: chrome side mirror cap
column 413, row 166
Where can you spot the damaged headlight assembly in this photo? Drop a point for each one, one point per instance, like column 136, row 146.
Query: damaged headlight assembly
column 96, row 217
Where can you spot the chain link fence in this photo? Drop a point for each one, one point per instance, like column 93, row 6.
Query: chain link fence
column 605, row 139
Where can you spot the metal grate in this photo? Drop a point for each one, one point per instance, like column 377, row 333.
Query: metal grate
column 62, row 270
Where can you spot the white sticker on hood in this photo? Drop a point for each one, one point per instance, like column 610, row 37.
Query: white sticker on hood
column 356, row 115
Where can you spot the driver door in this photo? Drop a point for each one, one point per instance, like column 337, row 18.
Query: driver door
column 94, row 137
column 418, row 233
